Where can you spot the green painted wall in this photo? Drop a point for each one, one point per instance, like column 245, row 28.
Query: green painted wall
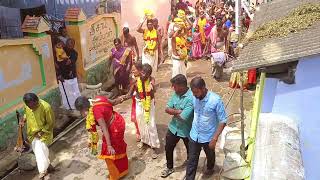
column 102, row 72
column 8, row 123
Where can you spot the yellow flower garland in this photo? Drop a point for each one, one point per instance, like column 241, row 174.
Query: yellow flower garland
column 93, row 135
column 181, row 45
column 90, row 121
column 150, row 38
column 146, row 100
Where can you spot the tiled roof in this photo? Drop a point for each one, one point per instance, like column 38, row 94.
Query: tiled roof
column 72, row 13
column 278, row 50
column 31, row 22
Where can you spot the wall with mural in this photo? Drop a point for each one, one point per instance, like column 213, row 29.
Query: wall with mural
column 101, row 32
column 94, row 41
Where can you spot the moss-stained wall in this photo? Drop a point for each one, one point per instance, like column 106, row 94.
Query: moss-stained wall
column 9, row 123
column 100, row 73
column 26, row 66
column 94, row 41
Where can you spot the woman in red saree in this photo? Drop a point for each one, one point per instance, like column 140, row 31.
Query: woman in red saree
column 99, row 111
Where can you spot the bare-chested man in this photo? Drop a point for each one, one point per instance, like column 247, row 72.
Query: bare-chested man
column 160, row 32
column 130, row 41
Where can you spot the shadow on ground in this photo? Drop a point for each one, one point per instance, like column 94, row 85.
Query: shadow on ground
column 74, row 167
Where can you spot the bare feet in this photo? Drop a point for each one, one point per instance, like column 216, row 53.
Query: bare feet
column 140, row 145
column 154, row 153
column 43, row 175
column 138, row 139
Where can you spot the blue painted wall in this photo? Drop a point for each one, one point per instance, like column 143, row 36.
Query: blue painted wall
column 300, row 101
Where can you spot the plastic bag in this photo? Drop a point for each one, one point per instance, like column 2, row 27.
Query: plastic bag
column 41, row 152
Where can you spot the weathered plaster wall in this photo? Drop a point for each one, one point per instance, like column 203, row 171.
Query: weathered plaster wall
column 25, row 65
column 94, row 40
column 300, row 101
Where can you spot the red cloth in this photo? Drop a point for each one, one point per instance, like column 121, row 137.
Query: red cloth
column 102, row 108
column 252, row 76
column 118, row 163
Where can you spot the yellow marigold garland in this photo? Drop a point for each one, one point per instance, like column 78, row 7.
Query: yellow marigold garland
column 150, row 38
column 146, row 99
column 181, row 45
column 93, row 135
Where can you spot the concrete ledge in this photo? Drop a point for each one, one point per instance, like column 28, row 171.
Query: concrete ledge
column 8, row 163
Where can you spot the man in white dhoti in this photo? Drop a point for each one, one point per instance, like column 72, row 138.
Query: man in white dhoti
column 150, row 49
column 218, row 39
column 145, row 109
column 40, row 121
column 67, row 75
column 170, row 33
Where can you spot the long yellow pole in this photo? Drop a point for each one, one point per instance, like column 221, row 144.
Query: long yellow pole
column 254, row 120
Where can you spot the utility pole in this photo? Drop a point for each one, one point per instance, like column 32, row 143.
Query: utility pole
column 238, row 32
column 237, row 9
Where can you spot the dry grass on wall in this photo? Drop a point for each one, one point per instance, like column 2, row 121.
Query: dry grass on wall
column 299, row 19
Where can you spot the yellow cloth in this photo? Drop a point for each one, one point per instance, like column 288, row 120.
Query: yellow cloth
column 181, row 46
column 233, row 37
column 181, row 14
column 202, row 23
column 149, row 14
column 61, row 54
column 150, row 39
column 180, row 22
column 42, row 119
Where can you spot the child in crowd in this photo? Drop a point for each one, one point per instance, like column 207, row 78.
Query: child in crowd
column 60, row 53
column 189, row 43
column 196, row 44
column 136, row 72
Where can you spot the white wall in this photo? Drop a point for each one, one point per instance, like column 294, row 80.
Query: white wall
column 300, row 101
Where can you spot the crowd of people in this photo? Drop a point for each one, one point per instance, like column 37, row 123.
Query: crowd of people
column 203, row 31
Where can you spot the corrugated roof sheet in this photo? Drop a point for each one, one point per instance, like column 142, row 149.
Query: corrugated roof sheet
column 278, row 50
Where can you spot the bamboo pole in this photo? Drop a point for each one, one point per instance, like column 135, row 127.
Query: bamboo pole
column 243, row 145
column 254, row 120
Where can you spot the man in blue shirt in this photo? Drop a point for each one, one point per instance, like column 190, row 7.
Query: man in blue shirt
column 180, row 106
column 208, row 123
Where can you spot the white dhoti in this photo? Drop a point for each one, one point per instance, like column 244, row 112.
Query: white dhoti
column 170, row 30
column 41, row 152
column 70, row 92
column 148, row 131
column 151, row 60
column 169, row 47
column 178, row 67
column 217, row 61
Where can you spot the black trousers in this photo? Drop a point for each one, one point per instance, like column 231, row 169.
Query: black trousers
column 194, row 153
column 171, row 142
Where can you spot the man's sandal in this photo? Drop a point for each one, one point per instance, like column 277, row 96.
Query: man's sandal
column 165, row 173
